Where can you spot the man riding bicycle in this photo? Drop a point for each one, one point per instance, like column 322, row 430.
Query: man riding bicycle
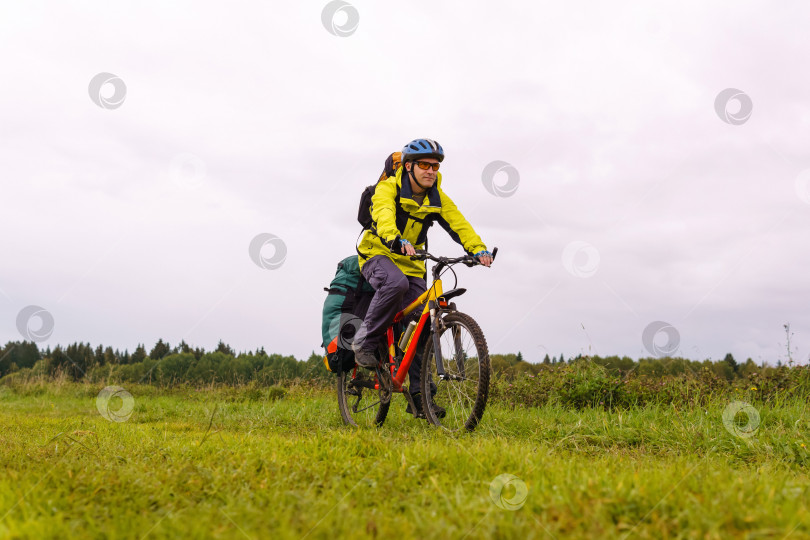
column 385, row 249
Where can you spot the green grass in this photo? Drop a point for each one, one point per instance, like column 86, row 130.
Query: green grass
column 230, row 463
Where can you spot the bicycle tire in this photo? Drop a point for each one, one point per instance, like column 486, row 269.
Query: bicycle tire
column 466, row 397
column 369, row 410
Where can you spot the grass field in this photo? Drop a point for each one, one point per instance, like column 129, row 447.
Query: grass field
column 230, row 463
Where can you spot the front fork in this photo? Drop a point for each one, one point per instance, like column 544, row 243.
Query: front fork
column 437, row 346
column 436, row 328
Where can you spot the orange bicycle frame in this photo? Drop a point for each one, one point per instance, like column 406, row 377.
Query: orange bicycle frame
column 432, row 296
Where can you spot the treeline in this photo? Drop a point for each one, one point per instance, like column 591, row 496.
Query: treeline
column 182, row 364
column 510, row 365
column 163, row 364
column 583, row 383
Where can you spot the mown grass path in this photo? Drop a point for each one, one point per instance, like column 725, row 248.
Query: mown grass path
column 228, row 464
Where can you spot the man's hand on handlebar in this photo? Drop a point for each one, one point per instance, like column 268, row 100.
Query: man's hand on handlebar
column 407, row 247
column 484, row 257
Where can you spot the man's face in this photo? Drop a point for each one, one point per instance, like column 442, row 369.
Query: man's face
column 425, row 178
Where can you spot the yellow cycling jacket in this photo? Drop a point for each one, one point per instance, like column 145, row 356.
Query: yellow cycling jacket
column 412, row 222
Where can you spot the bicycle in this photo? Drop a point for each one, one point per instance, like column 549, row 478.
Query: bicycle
column 461, row 376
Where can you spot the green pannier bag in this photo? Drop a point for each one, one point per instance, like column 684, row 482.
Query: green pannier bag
column 344, row 309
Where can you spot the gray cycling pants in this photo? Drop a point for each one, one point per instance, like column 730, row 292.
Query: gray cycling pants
column 394, row 292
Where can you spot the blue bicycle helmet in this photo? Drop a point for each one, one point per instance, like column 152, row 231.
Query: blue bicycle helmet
column 422, row 148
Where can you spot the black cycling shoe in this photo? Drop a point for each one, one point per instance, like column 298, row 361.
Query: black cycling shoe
column 417, row 400
column 365, row 358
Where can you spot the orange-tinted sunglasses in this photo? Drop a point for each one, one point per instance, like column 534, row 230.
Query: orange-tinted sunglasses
column 425, row 165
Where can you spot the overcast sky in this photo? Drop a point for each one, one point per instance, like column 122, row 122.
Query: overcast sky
column 641, row 197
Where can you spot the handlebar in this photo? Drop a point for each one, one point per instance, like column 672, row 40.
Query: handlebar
column 468, row 260
column 443, row 262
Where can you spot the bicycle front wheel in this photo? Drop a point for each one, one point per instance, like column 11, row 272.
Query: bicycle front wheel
column 464, row 388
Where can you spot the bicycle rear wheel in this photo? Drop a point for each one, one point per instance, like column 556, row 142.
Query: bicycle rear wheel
column 360, row 403
column 464, row 389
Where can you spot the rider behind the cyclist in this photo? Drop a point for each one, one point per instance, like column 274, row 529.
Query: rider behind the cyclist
column 384, row 249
